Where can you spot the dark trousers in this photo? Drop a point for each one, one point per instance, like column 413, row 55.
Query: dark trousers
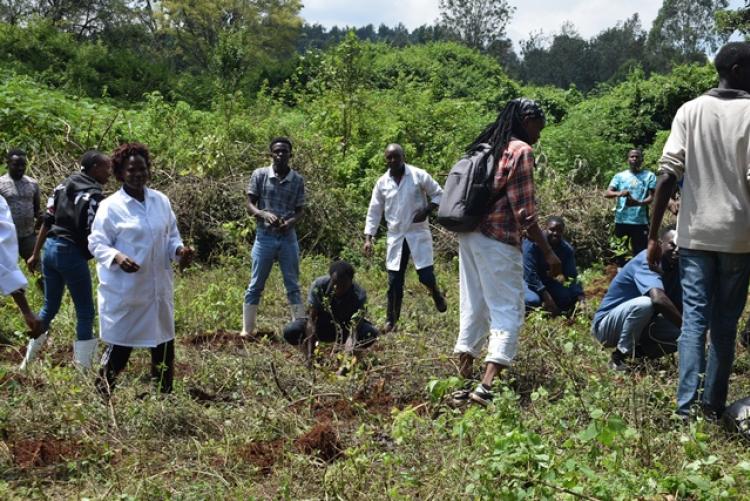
column 637, row 237
column 328, row 331
column 564, row 297
column 396, row 284
column 116, row 358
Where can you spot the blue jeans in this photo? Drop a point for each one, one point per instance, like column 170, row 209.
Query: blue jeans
column 63, row 264
column 565, row 297
column 714, row 290
column 268, row 247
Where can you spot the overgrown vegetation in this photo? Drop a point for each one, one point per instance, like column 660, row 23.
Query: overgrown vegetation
column 247, row 419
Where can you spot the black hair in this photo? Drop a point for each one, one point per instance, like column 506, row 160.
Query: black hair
column 16, row 152
column 555, row 219
column 91, row 159
column 341, row 269
column 124, row 151
column 731, row 54
column 509, row 123
column 667, row 229
column 280, row 139
column 639, row 150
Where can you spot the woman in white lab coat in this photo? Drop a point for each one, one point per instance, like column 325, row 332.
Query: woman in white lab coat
column 134, row 239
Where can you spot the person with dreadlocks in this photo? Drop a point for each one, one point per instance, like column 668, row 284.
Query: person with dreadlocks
column 64, row 235
column 490, row 259
column 133, row 239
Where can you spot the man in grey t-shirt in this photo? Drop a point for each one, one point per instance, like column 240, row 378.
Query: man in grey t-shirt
column 22, row 194
column 709, row 149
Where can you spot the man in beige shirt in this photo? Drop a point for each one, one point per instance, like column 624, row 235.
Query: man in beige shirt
column 709, row 149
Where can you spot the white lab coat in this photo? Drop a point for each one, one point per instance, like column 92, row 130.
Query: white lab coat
column 11, row 277
column 399, row 203
column 135, row 309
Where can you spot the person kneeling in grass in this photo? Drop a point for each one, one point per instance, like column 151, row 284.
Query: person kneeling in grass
column 336, row 309
column 133, row 239
column 641, row 314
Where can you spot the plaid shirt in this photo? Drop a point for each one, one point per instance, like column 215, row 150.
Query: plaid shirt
column 281, row 197
column 515, row 173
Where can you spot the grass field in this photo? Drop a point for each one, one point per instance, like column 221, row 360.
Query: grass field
column 248, row 420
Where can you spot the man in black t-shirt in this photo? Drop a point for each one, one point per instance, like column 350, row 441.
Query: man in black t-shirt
column 336, row 309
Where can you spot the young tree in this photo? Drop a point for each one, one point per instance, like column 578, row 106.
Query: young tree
column 477, row 23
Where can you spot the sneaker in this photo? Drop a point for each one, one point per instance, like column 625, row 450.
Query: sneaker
column 481, row 395
column 439, row 299
column 618, row 361
column 459, row 398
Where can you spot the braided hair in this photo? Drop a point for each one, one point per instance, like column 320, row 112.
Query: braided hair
column 509, row 123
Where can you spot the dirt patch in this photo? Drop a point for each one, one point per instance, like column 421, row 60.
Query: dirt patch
column 38, row 453
column 225, row 339
column 597, row 288
column 11, row 353
column 321, row 441
column 262, row 455
column 376, row 398
column 62, row 355
column 338, row 409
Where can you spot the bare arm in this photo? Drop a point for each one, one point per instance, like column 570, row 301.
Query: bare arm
column 664, row 189
column 610, row 193
column 665, row 306
column 253, row 209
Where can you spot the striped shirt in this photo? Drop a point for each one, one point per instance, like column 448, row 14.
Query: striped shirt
column 281, row 197
column 515, row 174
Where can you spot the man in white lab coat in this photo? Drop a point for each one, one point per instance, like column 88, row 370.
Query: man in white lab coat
column 406, row 195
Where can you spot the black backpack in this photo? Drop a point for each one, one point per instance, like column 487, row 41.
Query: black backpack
column 467, row 195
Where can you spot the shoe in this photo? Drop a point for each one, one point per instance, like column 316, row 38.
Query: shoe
column 439, row 299
column 481, row 395
column 249, row 314
column 618, row 361
column 83, row 353
column 389, row 327
column 459, row 398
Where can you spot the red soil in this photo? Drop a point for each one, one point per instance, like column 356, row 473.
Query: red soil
column 322, row 441
column 36, row 453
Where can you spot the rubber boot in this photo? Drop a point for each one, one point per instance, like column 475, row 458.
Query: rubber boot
column 83, row 353
column 298, row 311
column 249, row 315
column 32, row 350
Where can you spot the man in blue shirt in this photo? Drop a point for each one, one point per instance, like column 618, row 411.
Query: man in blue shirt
column 641, row 314
column 543, row 290
column 634, row 190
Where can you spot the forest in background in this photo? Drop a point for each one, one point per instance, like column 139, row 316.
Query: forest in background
column 206, row 84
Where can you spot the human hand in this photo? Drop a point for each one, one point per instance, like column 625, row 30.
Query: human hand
column 32, row 263
column 367, row 249
column 186, row 255
column 421, row 215
column 632, row 202
column 624, row 193
column 269, row 218
column 549, row 304
column 126, row 264
column 34, row 324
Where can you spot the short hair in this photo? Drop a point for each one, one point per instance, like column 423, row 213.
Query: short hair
column 280, row 139
column 639, row 150
column 124, row 151
column 732, row 54
column 555, row 219
column 90, row 159
column 666, row 230
column 16, row 152
column 341, row 269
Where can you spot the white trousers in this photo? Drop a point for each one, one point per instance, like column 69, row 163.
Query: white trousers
column 491, row 289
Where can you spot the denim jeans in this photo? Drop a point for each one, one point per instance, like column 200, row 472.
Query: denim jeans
column 635, row 324
column 714, row 291
column 396, row 284
column 270, row 246
column 63, row 264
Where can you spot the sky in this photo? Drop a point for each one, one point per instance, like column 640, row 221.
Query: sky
column 589, row 16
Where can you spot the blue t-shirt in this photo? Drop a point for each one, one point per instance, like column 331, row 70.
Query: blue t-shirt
column 639, row 185
column 635, row 280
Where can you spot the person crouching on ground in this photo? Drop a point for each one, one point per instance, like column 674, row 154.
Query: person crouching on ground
column 490, row 259
column 133, row 239
column 542, row 290
column 64, row 235
column 641, row 314
column 336, row 309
